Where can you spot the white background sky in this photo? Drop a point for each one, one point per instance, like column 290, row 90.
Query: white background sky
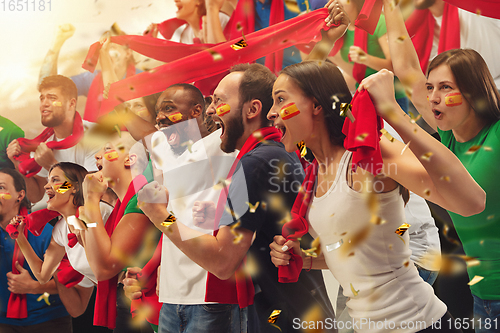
column 25, row 38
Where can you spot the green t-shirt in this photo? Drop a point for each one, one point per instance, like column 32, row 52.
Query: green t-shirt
column 480, row 234
column 8, row 132
column 373, row 48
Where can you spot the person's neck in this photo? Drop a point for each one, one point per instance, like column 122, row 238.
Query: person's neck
column 8, row 217
column 65, row 129
column 249, row 129
column 121, row 184
column 194, row 23
column 437, row 9
column 68, row 211
column 323, row 149
column 469, row 128
column 262, row 1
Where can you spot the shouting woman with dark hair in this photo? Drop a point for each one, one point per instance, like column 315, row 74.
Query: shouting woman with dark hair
column 359, row 214
column 65, row 193
column 459, row 99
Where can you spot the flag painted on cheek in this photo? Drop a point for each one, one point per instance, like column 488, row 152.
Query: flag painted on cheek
column 453, row 99
column 175, row 117
column 289, row 111
column 223, row 109
column 111, row 155
column 5, row 196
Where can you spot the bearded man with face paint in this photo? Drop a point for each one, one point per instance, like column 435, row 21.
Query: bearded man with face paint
column 58, row 97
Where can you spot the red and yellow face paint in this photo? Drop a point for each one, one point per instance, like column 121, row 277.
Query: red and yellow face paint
column 175, row 117
column 222, row 109
column 5, row 196
column 111, row 155
column 289, row 111
column 453, row 99
column 63, row 188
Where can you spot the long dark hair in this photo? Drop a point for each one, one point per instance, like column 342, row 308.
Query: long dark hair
column 19, row 185
column 474, row 81
column 325, row 83
column 75, row 174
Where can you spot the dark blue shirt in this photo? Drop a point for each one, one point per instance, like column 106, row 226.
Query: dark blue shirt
column 38, row 312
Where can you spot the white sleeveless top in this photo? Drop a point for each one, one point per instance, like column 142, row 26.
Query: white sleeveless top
column 385, row 290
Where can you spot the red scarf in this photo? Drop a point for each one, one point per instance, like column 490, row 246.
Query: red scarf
column 237, row 290
column 363, row 135
column 28, row 166
column 148, row 279
column 94, row 96
column 420, row 26
column 17, row 307
column 298, row 225
column 301, row 29
column 489, row 8
column 105, row 303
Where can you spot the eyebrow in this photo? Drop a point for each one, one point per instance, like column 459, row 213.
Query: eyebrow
column 278, row 91
column 1, row 183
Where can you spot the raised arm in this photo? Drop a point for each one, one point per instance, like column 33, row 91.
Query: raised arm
column 405, row 61
column 108, row 256
column 359, row 56
column 49, row 65
column 42, row 270
column 107, row 70
column 426, row 167
column 215, row 32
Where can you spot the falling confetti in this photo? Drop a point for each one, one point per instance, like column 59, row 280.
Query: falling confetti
column 334, row 246
column 475, row 280
column 274, row 316
column 354, row 292
column 402, row 229
column 189, row 145
column 346, row 111
column 302, row 148
column 237, row 236
column 405, row 147
column 473, row 149
column 239, row 26
column 215, row 55
column 1, row 128
column 427, row 156
column 446, row 230
column 427, row 192
column 486, row 148
column 490, row 217
column 222, row 184
column 401, row 39
column 64, row 187
column 253, row 208
column 362, row 136
column 387, row 134
column 478, row 12
column 445, row 178
column 45, row 297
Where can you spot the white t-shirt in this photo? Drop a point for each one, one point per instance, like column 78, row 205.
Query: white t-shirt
column 76, row 254
column 184, row 33
column 479, row 33
column 376, row 273
column 82, row 154
column 182, row 281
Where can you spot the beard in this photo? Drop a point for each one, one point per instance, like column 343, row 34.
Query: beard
column 53, row 121
column 423, row 4
column 233, row 129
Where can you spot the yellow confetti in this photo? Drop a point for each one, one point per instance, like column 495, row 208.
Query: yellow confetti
column 239, row 45
column 427, row 192
column 302, row 148
column 427, row 156
column 345, row 111
column 402, row 229
column 222, row 184
column 401, row 39
column 64, row 187
column 362, row 136
column 258, row 135
column 445, row 178
column 239, row 26
column 405, row 147
column 387, row 134
column 1, row 128
column 475, row 280
column 131, row 88
column 189, row 145
column 274, row 316
column 473, row 149
column 469, row 261
column 354, row 291
column 264, row 205
column 406, row 263
column 45, row 297
column 478, row 12
column 253, row 208
column 487, row 148
column 446, row 230
column 490, row 217
column 237, row 236
column 215, row 55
